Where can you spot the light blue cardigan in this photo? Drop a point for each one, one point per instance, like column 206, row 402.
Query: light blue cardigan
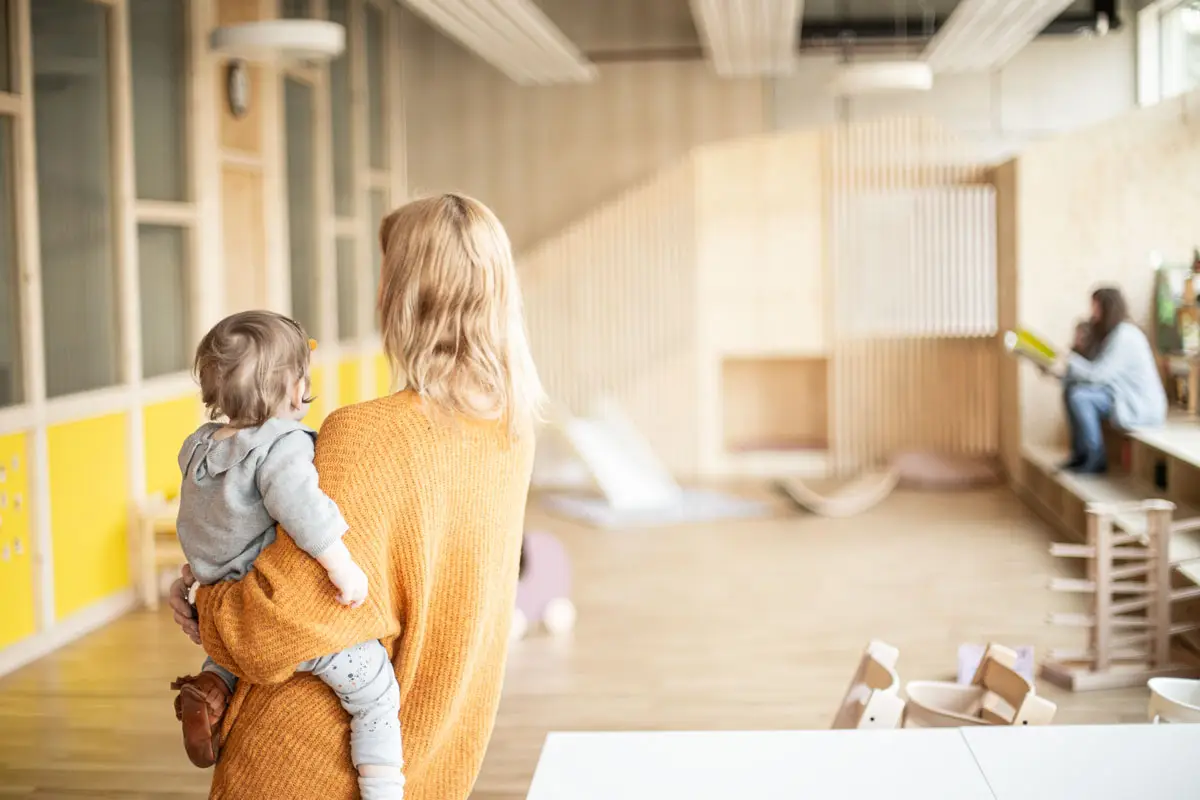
column 1125, row 365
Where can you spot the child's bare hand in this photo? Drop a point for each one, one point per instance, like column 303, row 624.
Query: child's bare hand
column 351, row 582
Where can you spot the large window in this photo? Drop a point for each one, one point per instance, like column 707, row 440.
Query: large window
column 342, row 112
column 11, row 389
column 159, row 53
column 6, row 49
column 71, row 69
column 1168, row 59
column 376, row 39
column 303, row 239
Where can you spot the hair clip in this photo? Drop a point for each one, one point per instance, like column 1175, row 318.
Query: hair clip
column 312, row 344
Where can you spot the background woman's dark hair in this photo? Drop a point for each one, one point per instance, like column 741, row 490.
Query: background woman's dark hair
column 1112, row 312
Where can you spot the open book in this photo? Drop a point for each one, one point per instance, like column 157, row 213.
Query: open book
column 1027, row 345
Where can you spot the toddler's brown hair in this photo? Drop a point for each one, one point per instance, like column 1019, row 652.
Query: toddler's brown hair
column 247, row 365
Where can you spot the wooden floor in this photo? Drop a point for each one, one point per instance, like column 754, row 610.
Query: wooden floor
column 744, row 625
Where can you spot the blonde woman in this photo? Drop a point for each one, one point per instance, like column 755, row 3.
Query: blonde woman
column 432, row 482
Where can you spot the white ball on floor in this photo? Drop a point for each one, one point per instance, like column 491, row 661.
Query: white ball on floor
column 520, row 624
column 559, row 616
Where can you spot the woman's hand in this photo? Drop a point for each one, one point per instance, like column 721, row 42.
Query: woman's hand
column 185, row 615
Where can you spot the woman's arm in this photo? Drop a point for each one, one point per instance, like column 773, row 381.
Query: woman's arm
column 285, row 610
column 1114, row 357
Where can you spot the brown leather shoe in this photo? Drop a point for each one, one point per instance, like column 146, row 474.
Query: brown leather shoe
column 200, row 705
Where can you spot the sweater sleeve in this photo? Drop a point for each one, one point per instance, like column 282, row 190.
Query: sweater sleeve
column 1113, row 358
column 285, row 610
column 291, row 491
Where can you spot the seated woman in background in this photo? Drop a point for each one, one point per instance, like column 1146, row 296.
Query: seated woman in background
column 1110, row 375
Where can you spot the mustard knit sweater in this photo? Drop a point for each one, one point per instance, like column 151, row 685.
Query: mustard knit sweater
column 436, row 509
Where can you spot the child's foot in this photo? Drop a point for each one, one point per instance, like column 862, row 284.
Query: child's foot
column 200, row 705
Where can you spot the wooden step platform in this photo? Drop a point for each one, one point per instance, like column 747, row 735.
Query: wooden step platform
column 1061, row 497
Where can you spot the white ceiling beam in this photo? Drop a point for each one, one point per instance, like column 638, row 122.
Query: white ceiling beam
column 514, row 36
column 745, row 38
column 983, row 35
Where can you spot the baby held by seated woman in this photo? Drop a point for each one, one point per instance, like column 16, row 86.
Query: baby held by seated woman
column 241, row 478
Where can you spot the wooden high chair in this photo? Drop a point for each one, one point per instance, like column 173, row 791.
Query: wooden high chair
column 997, row 695
column 1174, row 700
column 873, row 699
column 157, row 547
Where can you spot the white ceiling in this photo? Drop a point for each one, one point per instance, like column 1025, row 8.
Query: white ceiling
column 559, row 41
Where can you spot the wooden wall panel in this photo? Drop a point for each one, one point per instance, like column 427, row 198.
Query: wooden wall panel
column 1090, row 208
column 1004, row 178
column 234, row 12
column 763, row 305
column 611, row 312
column 901, row 376
column 244, row 236
column 545, row 157
column 914, row 393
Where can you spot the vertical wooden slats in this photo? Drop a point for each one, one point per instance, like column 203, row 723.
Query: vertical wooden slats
column 610, row 308
column 642, row 299
column 912, row 263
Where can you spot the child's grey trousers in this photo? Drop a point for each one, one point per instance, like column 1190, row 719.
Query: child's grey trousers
column 364, row 680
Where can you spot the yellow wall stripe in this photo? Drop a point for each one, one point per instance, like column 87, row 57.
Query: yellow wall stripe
column 350, row 382
column 165, row 426
column 89, row 510
column 17, row 612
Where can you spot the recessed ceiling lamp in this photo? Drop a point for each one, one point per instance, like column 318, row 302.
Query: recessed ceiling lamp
column 280, row 40
column 881, row 77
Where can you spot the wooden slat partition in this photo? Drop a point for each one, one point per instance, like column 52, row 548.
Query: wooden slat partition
column 611, row 311
column 859, row 263
column 911, row 263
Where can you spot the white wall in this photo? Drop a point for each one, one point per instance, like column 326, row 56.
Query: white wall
column 1056, row 84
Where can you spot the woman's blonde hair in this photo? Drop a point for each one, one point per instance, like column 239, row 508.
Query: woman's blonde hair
column 248, row 364
column 451, row 313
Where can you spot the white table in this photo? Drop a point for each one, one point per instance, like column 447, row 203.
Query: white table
column 1096, row 762
column 932, row 764
column 1062, row 762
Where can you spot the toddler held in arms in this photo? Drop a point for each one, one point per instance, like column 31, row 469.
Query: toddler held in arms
column 240, row 478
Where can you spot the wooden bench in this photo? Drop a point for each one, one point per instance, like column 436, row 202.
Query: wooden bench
column 1162, row 463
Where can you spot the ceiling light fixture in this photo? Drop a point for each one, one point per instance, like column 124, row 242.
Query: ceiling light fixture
column 280, row 40
column 982, row 35
column 749, row 38
column 514, row 36
column 879, row 77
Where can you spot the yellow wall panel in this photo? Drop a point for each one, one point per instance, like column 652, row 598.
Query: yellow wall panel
column 320, row 407
column 89, row 510
column 17, row 612
column 165, row 426
column 383, row 376
column 349, row 382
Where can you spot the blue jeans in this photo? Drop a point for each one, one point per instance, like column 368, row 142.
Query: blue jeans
column 1087, row 406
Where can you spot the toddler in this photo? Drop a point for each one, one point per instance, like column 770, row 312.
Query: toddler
column 240, row 478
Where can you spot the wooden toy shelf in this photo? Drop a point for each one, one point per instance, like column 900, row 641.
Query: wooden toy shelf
column 775, row 404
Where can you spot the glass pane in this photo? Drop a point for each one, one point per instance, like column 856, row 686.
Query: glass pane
column 343, row 139
column 11, row 384
column 158, row 49
column 6, row 50
column 166, row 313
column 75, row 202
column 379, row 209
column 302, row 202
column 296, row 9
column 347, row 289
column 376, row 102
